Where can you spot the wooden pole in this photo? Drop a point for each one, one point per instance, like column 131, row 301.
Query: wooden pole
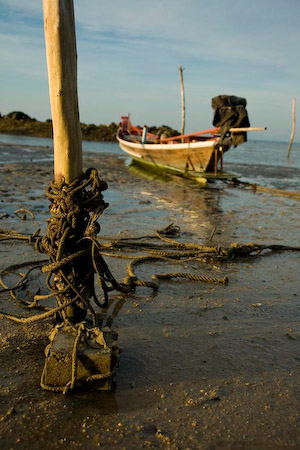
column 213, row 132
column 293, row 127
column 61, row 52
column 182, row 100
column 246, row 129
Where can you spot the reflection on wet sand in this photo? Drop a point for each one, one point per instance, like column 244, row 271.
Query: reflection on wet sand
column 199, row 208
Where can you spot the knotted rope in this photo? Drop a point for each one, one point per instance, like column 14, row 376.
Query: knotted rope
column 76, row 254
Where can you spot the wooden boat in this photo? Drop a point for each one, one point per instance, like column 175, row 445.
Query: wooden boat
column 192, row 152
column 194, row 155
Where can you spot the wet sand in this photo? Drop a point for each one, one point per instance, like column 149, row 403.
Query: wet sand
column 202, row 366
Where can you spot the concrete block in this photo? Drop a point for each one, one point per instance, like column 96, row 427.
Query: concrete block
column 97, row 354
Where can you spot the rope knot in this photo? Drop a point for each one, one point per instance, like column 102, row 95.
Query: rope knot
column 131, row 281
column 170, row 230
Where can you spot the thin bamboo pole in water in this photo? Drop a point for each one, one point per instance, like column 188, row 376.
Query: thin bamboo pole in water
column 293, row 127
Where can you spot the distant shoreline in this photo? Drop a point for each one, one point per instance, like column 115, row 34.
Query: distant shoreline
column 19, row 123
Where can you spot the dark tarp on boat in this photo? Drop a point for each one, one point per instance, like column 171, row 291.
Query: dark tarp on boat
column 230, row 112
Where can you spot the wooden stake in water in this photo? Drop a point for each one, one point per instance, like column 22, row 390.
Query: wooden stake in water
column 182, row 100
column 61, row 52
column 293, row 127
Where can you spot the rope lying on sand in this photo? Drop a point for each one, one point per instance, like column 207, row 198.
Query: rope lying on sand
column 76, row 254
column 257, row 188
column 162, row 247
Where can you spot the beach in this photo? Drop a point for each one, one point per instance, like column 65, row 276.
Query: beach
column 203, row 366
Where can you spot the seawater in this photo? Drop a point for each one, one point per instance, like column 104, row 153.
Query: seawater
column 29, row 141
column 261, row 162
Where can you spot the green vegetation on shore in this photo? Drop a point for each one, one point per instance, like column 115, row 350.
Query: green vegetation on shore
column 20, row 123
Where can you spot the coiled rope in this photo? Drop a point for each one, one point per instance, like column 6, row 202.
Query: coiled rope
column 75, row 254
column 170, row 251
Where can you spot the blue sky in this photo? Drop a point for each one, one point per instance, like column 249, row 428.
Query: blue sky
column 129, row 53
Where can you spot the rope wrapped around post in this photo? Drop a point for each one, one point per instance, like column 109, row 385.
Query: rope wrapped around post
column 72, row 228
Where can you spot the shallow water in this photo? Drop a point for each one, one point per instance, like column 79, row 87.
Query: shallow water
column 268, row 153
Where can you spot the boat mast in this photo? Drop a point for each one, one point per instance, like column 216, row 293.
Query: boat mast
column 182, row 100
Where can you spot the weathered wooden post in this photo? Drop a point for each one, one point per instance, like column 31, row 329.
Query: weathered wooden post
column 293, row 127
column 62, row 73
column 79, row 352
column 182, row 100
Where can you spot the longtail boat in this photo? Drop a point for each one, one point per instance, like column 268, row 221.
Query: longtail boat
column 197, row 154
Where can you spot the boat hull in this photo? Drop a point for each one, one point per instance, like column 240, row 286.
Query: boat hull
column 200, row 157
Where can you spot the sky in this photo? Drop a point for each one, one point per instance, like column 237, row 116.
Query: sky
column 129, row 53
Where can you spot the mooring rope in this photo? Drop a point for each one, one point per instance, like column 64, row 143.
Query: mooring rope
column 182, row 252
column 268, row 190
column 76, row 254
